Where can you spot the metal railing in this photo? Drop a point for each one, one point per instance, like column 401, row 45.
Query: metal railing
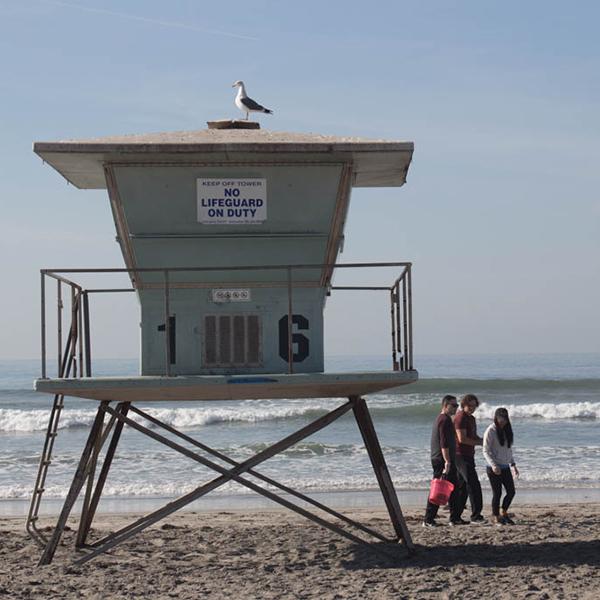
column 75, row 360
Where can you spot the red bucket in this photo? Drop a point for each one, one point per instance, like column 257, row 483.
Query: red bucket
column 440, row 490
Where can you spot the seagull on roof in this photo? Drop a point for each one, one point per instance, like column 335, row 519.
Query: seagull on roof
column 246, row 104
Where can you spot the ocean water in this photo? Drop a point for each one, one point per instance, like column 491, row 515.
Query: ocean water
column 554, row 402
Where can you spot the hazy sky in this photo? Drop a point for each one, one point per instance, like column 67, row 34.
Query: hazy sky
column 501, row 212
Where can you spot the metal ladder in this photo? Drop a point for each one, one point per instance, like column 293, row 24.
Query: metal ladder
column 68, row 368
column 45, row 462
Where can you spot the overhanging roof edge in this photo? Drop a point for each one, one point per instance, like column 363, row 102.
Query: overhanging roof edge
column 377, row 163
column 181, row 148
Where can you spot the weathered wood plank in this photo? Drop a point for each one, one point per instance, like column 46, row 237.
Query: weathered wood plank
column 76, row 485
column 88, row 518
column 367, row 430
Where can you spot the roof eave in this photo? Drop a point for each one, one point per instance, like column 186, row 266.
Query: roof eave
column 187, row 148
column 377, row 164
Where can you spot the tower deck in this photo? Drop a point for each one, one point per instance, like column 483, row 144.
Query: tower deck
column 223, row 387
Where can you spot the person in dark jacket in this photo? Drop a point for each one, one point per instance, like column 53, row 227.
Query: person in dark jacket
column 466, row 435
column 443, row 461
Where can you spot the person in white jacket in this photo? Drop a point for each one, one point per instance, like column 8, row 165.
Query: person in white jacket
column 497, row 450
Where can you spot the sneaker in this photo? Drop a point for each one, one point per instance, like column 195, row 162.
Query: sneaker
column 508, row 520
column 477, row 519
column 499, row 521
column 429, row 524
column 455, row 522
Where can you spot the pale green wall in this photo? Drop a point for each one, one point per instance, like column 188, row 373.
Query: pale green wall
column 189, row 308
column 161, row 200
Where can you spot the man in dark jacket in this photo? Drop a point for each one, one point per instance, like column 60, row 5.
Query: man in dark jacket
column 466, row 434
column 443, row 460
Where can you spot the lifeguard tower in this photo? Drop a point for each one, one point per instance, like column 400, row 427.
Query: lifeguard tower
column 230, row 238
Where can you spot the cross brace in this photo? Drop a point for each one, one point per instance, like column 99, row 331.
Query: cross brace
column 98, row 436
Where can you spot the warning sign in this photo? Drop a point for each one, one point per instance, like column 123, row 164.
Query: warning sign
column 237, row 295
column 232, row 201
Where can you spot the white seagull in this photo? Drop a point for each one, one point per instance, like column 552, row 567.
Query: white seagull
column 246, row 104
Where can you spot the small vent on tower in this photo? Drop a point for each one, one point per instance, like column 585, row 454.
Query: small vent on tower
column 232, row 341
column 229, row 124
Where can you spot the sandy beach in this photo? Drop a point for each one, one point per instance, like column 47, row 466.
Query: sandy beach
column 552, row 552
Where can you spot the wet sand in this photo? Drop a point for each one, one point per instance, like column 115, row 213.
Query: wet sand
column 552, row 552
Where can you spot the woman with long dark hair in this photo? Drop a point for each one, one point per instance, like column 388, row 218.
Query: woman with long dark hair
column 497, row 450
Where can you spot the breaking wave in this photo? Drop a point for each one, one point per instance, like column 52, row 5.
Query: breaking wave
column 386, row 407
column 15, row 420
column 349, row 483
column 551, row 411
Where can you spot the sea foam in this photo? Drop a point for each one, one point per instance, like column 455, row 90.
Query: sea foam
column 551, row 411
column 17, row 420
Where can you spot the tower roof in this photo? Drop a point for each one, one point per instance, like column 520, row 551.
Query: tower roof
column 376, row 162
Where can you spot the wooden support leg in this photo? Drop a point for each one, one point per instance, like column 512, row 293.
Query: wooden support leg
column 90, row 474
column 78, row 481
column 367, row 430
column 87, row 516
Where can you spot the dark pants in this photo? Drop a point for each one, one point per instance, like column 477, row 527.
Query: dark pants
column 432, row 509
column 471, row 487
column 497, row 481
